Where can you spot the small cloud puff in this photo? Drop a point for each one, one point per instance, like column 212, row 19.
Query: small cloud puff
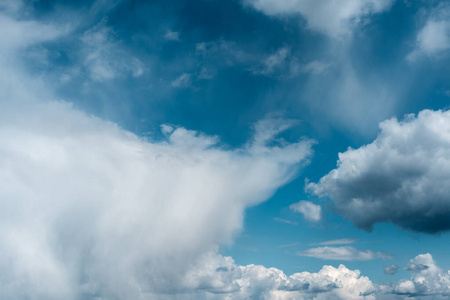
column 310, row 211
column 390, row 270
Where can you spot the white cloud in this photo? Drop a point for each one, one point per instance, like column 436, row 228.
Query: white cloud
column 338, row 242
column 401, row 177
column 172, row 35
column 333, row 17
column 310, row 211
column 90, row 209
column 183, row 81
column 285, row 221
column 427, row 279
column 103, row 56
column 343, row 253
column 15, row 34
column 220, row 275
column 434, row 37
column 274, row 62
column 316, row 67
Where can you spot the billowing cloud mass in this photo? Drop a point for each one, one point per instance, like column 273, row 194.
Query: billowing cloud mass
column 310, row 211
column 220, row 275
column 90, row 209
column 402, row 177
column 333, row 17
column 427, row 279
column 343, row 253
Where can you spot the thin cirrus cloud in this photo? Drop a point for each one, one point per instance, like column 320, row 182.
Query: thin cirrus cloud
column 332, row 17
column 343, row 253
column 401, row 177
column 338, row 242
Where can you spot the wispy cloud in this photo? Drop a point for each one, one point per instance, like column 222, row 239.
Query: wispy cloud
column 285, row 221
column 343, row 253
column 338, row 242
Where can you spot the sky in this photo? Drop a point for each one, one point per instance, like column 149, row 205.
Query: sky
column 224, row 149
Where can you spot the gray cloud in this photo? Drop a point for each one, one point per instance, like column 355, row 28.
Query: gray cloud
column 343, row 253
column 390, row 270
column 401, row 177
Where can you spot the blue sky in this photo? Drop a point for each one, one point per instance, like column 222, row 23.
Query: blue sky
column 225, row 149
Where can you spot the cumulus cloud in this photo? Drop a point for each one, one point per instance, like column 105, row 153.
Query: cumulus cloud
column 310, row 211
column 402, row 177
column 220, row 275
column 427, row 279
column 390, row 270
column 332, row 17
column 343, row 253
column 434, row 37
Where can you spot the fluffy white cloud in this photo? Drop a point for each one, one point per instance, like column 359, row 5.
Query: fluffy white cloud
column 402, row 177
column 333, row 17
column 221, row 276
column 427, row 278
column 343, row 253
column 310, row 211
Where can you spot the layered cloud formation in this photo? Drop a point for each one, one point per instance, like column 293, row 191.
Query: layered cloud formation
column 402, row 177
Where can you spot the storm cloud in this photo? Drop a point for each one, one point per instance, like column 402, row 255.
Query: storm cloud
column 402, row 177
